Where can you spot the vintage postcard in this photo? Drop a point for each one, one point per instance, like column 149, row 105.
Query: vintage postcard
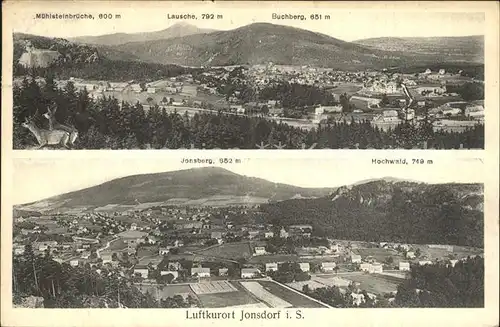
column 242, row 76
column 118, row 233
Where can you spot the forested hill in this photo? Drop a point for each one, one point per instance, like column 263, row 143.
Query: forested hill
column 70, row 52
column 196, row 183
column 103, row 125
column 260, row 43
column 458, row 48
column 41, row 56
column 180, row 29
column 391, row 211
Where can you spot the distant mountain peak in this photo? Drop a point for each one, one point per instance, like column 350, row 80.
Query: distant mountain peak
column 191, row 183
column 179, row 29
column 183, row 24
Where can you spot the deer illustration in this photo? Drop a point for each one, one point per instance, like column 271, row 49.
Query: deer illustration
column 47, row 137
column 54, row 125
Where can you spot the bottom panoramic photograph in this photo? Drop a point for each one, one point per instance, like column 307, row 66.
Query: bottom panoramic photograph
column 297, row 233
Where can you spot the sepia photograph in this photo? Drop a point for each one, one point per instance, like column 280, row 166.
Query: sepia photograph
column 157, row 233
column 270, row 79
column 102, row 228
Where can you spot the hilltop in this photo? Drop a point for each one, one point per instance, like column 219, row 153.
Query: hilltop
column 387, row 209
column 256, row 44
column 65, row 51
column 65, row 59
column 177, row 30
column 193, row 184
column 398, row 211
column 460, row 48
column 261, row 43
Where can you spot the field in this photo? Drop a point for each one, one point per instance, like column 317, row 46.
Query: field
column 213, row 287
column 117, row 245
column 395, row 277
column 222, row 200
column 48, row 223
column 373, row 283
column 458, row 252
column 229, row 251
column 240, row 297
column 295, row 299
column 265, row 296
column 223, row 294
column 348, row 88
column 147, row 252
column 132, row 97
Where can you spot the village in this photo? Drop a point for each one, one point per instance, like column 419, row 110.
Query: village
column 220, row 256
column 374, row 96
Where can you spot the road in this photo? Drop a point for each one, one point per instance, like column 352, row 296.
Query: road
column 300, row 123
column 107, row 246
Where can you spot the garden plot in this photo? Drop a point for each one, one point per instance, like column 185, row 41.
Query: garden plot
column 221, row 286
column 260, row 292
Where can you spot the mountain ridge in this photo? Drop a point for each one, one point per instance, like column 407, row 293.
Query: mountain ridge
column 260, row 43
column 468, row 48
column 446, row 213
column 180, row 29
column 194, row 183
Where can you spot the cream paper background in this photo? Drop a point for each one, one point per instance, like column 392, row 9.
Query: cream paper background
column 465, row 166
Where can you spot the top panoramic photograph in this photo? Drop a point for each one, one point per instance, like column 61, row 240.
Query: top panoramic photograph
column 267, row 80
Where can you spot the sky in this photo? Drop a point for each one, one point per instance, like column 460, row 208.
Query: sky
column 36, row 179
column 345, row 23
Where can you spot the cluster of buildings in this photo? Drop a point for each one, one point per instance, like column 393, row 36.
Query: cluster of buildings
column 374, row 96
column 264, row 75
column 150, row 241
column 368, row 101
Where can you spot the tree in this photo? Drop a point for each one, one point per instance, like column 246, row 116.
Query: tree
column 169, row 278
column 211, row 242
column 107, row 123
column 64, row 286
column 441, row 286
column 385, row 100
column 471, row 91
column 270, row 248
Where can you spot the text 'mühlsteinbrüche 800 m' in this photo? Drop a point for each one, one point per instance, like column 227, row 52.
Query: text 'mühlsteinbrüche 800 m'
column 287, row 80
